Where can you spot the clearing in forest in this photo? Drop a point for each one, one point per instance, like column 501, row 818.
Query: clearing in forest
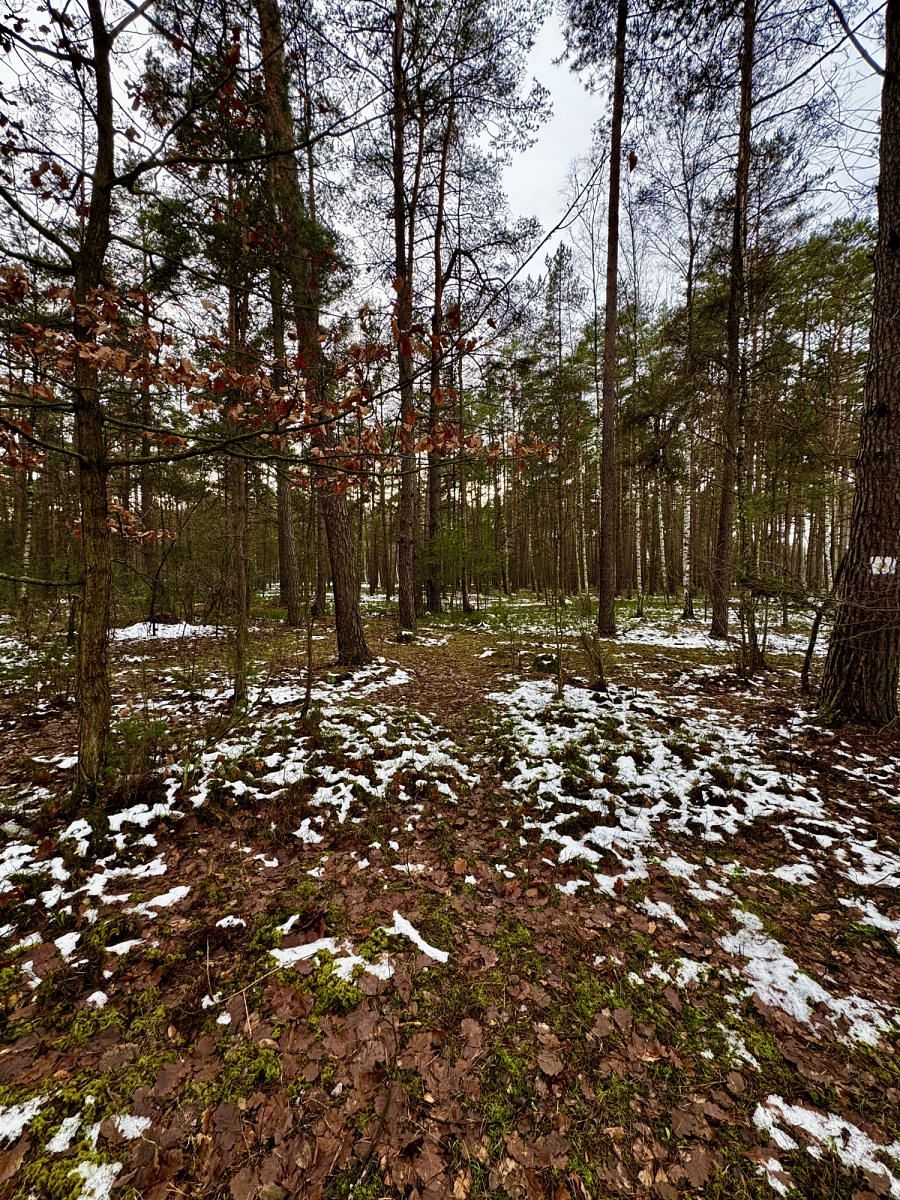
column 465, row 930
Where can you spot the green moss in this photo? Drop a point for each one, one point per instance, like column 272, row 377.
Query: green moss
column 247, row 1067
column 359, row 1184
column 332, row 993
column 87, row 1024
column 436, row 921
column 266, row 934
column 515, row 946
column 328, row 1074
column 589, row 995
column 54, row 1178
column 11, row 983
column 374, row 946
column 447, row 1006
column 505, row 1092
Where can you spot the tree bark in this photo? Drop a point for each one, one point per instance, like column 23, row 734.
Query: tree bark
column 606, row 614
column 302, row 276
column 720, row 581
column 92, row 672
column 288, row 564
column 862, row 667
column 432, row 564
column 403, row 265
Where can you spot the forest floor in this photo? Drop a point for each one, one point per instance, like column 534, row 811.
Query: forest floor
column 454, row 934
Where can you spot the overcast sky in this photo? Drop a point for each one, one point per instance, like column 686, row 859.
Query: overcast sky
column 535, row 180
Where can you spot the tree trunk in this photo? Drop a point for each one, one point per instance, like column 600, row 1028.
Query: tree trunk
column 606, row 614
column 403, row 265
column 240, row 593
column 432, row 564
column 720, row 582
column 301, row 272
column 92, row 672
column 288, row 565
column 687, row 611
column 862, row 668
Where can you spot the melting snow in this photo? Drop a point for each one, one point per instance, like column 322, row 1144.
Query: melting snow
column 828, row 1131
column 15, row 1117
column 62, row 1139
column 778, row 981
column 98, row 1179
column 403, row 928
column 143, row 631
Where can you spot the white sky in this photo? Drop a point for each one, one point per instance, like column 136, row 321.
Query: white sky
column 535, row 180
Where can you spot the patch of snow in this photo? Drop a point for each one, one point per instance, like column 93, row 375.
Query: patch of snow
column 776, row 1176
column 98, row 1179
column 143, row 631
column 306, row 833
column 800, row 872
column 871, row 916
column 402, row 928
column 67, row 943
column 121, row 948
column 15, row 1117
column 853, row 1147
column 778, row 981
column 62, row 1139
column 78, row 832
column 682, row 972
column 131, row 1127
column 346, row 963
column 659, row 908
column 166, row 900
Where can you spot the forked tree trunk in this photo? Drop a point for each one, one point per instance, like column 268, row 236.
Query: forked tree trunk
column 609, row 506
column 301, row 273
column 862, row 668
column 720, row 575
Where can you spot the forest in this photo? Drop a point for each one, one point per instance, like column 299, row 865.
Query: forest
column 449, row 605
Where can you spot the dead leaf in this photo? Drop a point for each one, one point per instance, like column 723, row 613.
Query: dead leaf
column 462, row 1185
column 698, row 1166
column 551, row 1064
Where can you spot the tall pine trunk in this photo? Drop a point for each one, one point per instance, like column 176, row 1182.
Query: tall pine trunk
column 721, row 568
column 407, row 529
column 862, row 668
column 609, row 506
column 92, row 671
column 302, row 276
column 432, row 563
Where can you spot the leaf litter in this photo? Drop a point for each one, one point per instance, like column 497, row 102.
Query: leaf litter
column 456, row 935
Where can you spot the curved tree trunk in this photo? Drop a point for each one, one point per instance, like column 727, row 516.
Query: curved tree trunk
column 863, row 663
